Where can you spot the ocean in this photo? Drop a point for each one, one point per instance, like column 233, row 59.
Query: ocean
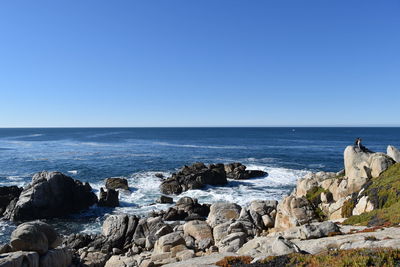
column 93, row 154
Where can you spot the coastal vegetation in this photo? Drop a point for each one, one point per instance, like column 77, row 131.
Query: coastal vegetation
column 384, row 193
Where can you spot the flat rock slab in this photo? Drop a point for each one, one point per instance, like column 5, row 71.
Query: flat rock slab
column 208, row 260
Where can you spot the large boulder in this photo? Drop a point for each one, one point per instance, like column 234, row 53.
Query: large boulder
column 8, row 194
column 34, row 236
column 263, row 213
column 119, row 229
column 237, row 171
column 293, row 211
column 394, row 153
column 221, row 212
column 195, row 176
column 117, row 183
column 51, row 194
column 201, row 232
column 361, row 165
column 166, row 242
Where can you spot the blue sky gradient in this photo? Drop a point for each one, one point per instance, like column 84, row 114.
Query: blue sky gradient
column 199, row 63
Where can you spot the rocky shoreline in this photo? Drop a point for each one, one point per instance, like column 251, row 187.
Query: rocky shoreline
column 313, row 219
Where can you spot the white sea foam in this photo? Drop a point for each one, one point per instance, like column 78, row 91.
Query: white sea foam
column 145, row 190
column 73, row 172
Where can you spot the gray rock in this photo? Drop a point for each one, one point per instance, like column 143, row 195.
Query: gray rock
column 317, row 230
column 232, row 242
column 195, row 176
column 19, row 259
column 8, row 194
column 237, row 171
column 294, row 211
column 51, row 194
column 122, row 261
column 34, row 236
column 117, row 183
column 108, row 198
column 60, row 257
column 394, row 153
column 222, row 212
column 166, row 242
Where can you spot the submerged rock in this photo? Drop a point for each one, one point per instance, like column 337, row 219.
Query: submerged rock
column 50, row 195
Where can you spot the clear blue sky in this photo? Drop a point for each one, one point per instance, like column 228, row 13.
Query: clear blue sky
column 199, row 63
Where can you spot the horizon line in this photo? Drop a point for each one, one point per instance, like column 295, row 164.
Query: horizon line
column 210, row 126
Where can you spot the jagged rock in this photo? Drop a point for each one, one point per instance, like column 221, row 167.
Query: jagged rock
column 187, row 208
column 109, row 198
column 263, row 213
column 221, row 230
column 34, row 236
column 166, row 242
column 51, row 194
column 165, row 200
column 8, row 194
column 222, row 212
column 195, row 176
column 363, row 205
column 311, row 181
column 60, row 257
column 232, row 242
column 118, row 229
column 81, row 240
column 117, row 183
column 145, row 228
column 201, row 232
column 19, row 259
column 292, row 211
column 237, row 171
column 394, row 153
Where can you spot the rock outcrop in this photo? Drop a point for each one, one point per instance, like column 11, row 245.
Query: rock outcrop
column 8, row 194
column 108, row 198
column 195, row 176
column 50, row 195
column 394, row 153
column 237, row 171
column 361, row 165
column 34, row 236
column 222, row 212
column 294, row 211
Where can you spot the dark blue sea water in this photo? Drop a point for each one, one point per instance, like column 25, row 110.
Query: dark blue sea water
column 93, row 154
